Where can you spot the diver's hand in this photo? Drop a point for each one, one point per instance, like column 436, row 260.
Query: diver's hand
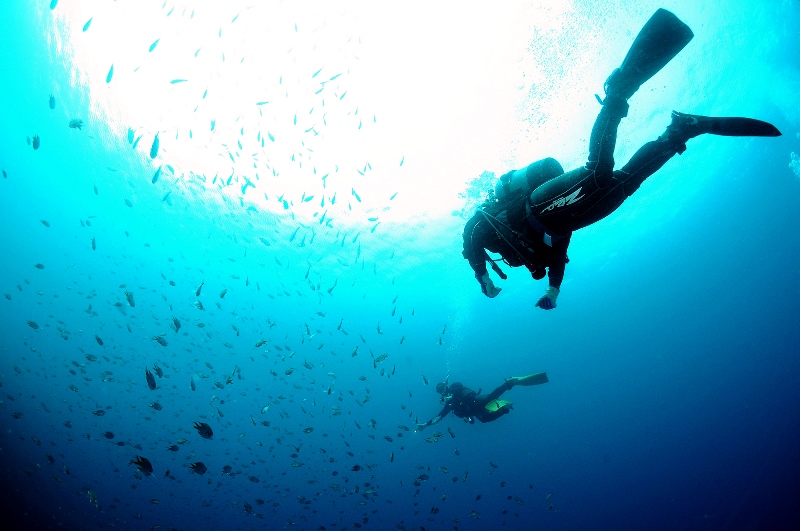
column 548, row 300
column 487, row 286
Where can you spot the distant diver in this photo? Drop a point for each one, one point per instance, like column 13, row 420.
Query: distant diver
column 470, row 405
column 530, row 219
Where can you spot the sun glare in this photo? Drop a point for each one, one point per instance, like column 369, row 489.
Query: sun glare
column 352, row 111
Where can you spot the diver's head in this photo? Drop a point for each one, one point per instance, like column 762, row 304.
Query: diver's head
column 441, row 388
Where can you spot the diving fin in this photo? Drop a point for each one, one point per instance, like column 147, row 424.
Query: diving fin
column 531, row 379
column 497, row 405
column 689, row 126
column 661, row 38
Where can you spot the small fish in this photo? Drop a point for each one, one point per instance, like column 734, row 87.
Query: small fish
column 151, row 381
column 204, row 430
column 76, row 123
column 153, row 46
column 110, row 74
column 222, row 294
column 36, row 142
column 198, row 468
column 88, row 23
column 197, row 293
column 99, row 340
column 52, row 101
column 154, row 147
column 156, row 175
column 129, row 296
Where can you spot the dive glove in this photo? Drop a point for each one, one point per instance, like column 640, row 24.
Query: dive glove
column 548, row 300
column 487, row 286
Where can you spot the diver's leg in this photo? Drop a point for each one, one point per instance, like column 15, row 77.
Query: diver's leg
column 494, row 394
column 488, row 416
column 625, row 181
column 551, row 202
column 575, row 200
column 604, row 138
column 653, row 155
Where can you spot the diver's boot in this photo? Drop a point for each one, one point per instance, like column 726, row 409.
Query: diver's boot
column 660, row 40
column 531, row 379
column 687, row 126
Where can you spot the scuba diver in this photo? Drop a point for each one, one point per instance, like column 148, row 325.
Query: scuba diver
column 531, row 215
column 470, row 405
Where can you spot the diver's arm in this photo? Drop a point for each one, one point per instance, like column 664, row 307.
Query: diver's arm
column 473, row 247
column 555, row 275
column 443, row 413
column 475, row 254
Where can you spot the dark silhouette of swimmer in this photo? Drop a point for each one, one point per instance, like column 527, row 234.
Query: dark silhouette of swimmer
column 469, row 405
column 534, row 211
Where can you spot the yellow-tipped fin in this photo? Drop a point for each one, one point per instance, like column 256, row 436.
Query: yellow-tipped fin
column 497, row 404
column 531, row 379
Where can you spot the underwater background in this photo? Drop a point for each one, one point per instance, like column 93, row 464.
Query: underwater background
column 261, row 203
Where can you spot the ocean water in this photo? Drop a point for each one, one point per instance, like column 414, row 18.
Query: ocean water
column 300, row 218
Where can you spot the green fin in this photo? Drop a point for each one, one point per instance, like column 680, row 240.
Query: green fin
column 497, row 404
column 531, row 379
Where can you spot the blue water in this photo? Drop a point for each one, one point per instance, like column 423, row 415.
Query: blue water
column 672, row 355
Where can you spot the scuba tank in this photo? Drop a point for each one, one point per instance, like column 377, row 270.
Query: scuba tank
column 527, row 179
column 507, row 212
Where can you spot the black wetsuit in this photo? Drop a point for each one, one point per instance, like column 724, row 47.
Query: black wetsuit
column 466, row 403
column 535, row 231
